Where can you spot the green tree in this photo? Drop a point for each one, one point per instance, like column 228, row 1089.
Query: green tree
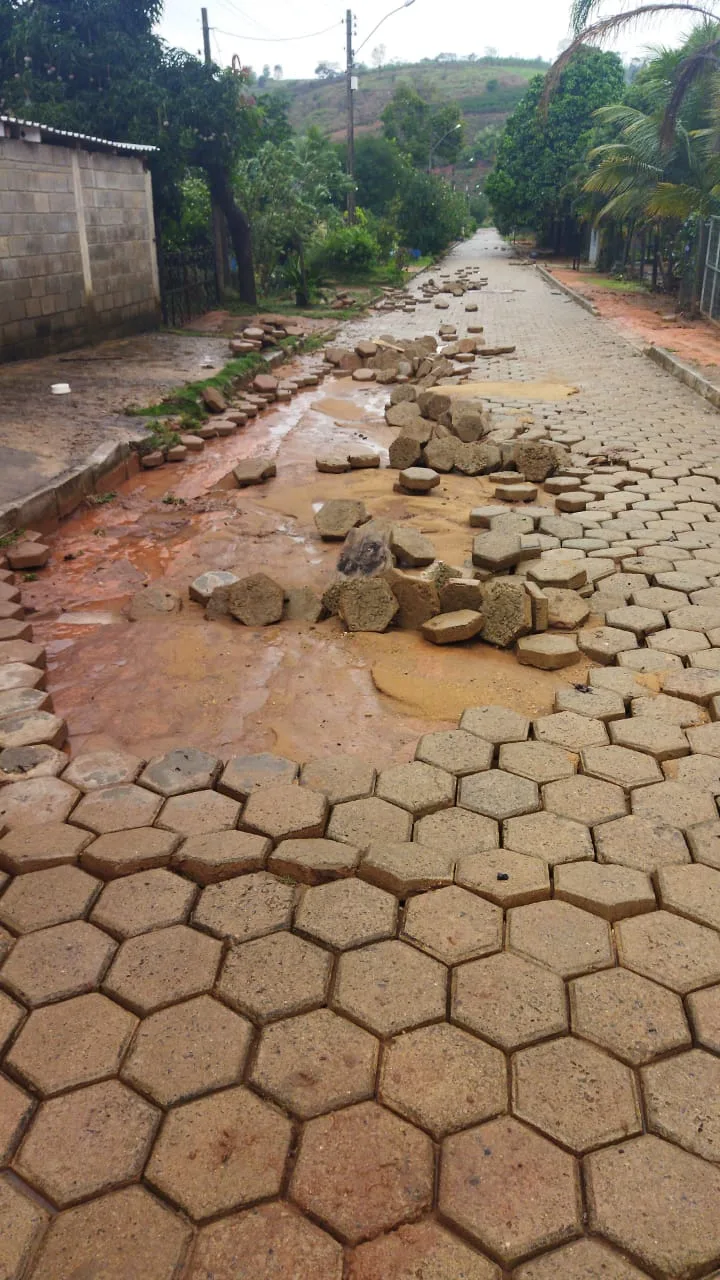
column 431, row 215
column 380, row 171
column 425, row 131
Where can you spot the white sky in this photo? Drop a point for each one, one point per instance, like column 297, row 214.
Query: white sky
column 527, row 28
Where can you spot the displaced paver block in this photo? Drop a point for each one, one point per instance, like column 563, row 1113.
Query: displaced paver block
column 548, row 652
column 244, row 774
column 221, row 855
column 503, row 876
column 120, row 853
column 336, row 518
column 495, row 724
column 618, row 765
column 254, row 471
column 340, row 778
column 603, row 644
column 117, row 809
column 407, row 867
column 256, row 601
column 96, row 769
column 367, row 604
column 418, row 787
column 609, row 891
column 183, row 769
column 674, row 803
column 570, row 730
column 507, row 613
column 451, row 628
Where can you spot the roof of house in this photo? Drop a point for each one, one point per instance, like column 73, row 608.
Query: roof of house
column 50, row 134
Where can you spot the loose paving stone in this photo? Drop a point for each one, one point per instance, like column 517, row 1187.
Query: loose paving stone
column 452, row 628
column 37, row 802
column 681, row 1099
column 706, row 659
column 144, row 901
column 604, row 644
column 188, row 1050
column 660, row 739
column 704, row 1010
column 567, row 574
column 404, row 868
column 203, row 586
column 221, row 855
column 453, row 925
column 424, row 1247
column 271, row 1240
column 121, row 853
column 548, row 836
column 658, row 1202
column 274, row 977
column 563, row 937
column 417, row 787
column 312, row 861
column 677, row 580
column 672, row 710
column 26, row 728
column 642, row 843
column 126, row 1233
column 340, row 778
column 585, row 700
column 347, row 914
column 45, row 898
column 72, row 1043
column 508, row 1001
column 246, row 907
column 530, row 1195
column 256, row 601
column 548, row 652
column 691, row 891
column 628, row 1015
column 46, row 845
column 456, row 832
column 316, row 1063
column 20, row 763
column 495, row 724
column 455, row 751
column 117, row 809
column 609, row 891
column 575, row 1094
column 582, row 1260
column 507, row 878
column 54, row 964
column 183, row 769
column 695, row 617
column 360, row 822
column 16, row 1107
column 569, row 730
column 86, row 1142
column 443, row 1079
column 96, row 769
column 199, row 812
column 24, row 1222
column 218, row 1153
column 389, row 987
column 286, row 812
column 244, row 774
column 704, row 841
column 620, row 766
column 540, row 761
column 161, row 968
column 674, row 804
column 499, row 795
column 668, row 949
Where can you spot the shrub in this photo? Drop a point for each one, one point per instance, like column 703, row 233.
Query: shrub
column 349, row 249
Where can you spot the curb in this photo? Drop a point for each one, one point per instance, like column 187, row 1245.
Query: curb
column 582, row 301
column 684, row 373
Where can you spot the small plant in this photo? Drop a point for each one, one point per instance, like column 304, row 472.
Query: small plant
column 171, row 500
column 30, row 577
column 9, row 539
column 101, row 499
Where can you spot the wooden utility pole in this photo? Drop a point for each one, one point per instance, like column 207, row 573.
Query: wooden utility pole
column 206, row 36
column 219, row 225
column 350, row 119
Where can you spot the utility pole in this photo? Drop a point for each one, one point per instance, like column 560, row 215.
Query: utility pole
column 220, row 245
column 350, row 119
column 206, row 36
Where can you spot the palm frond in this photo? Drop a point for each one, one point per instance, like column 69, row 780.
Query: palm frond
column 676, row 201
column 581, row 12
column 697, row 64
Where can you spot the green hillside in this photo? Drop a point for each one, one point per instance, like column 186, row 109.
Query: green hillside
column 486, row 89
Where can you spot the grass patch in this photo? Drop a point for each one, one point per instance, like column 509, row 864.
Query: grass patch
column 9, row 539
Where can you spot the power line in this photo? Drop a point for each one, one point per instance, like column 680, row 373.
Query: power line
column 234, row 35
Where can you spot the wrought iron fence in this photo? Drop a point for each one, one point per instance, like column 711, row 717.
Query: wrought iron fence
column 188, row 285
column 710, row 298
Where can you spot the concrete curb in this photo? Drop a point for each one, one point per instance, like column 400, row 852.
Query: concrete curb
column 684, row 373
column 583, row 302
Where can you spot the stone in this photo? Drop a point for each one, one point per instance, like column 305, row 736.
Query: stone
column 452, row 925
column 75, row 1042
column 618, row 765
column 202, row 587
column 539, row 459
column 54, row 964
column 117, row 809
column 456, row 751
column 142, row 902
column 507, row 878
column 609, row 891
column 361, row 822
column 245, row 907
column 405, row 451
column 582, row 1260
column 41, row 761
column 41, row 899
column 460, row 593
column 418, row 479
column 654, row 737
column 421, row 788
column 705, row 738
column 425, row 1247
column 121, row 853
column 11, row 1015
column 641, row 843
column 254, row 471
column 274, row 976
column 451, row 628
column 313, row 861
column 96, row 769
column 28, row 555
column 548, row 652
column 704, row 1010
column 214, row 400
column 548, row 836
column 681, row 1098
column 704, row 842
column 346, row 913
column 631, row 1017
column 670, row 950
column 24, row 1222
column 566, row 574
column 417, row 598
column 584, row 799
column 676, row 640
column 221, row 855
column 180, row 770
column 36, row 802
column 691, row 891
column 315, row 1063
column 603, row 644
column 404, row 868
column 244, row 774
column 443, row 1079
column 561, row 936
column 187, row 1050
column 495, row 724
column 284, row 811
column 570, row 730
column 256, row 601
column 340, row 778
column 153, row 602
column 675, row 710
column 199, row 811
column 586, row 700
column 454, row 832
column 410, row 547
column 498, row 794
column 673, row 804
column 163, row 967
column 367, row 604
column 496, row 551
column 507, row 613
column 272, row 1240
column 336, row 518
column 389, row 987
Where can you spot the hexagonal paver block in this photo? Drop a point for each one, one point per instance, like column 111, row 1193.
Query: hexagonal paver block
column 695, row 771
column 11, row 1015
column 316, row 1063
column 37, row 802
column 657, row 738
column 678, row 1231
column 86, row 1142
column 272, row 1240
column 545, row 835
column 456, row 751
column 453, row 925
column 218, row 1153
column 16, row 1107
column 127, row 1233
column 678, row 641
column 682, row 1097
column 406, row 868
column 510, row 879
column 347, row 914
column 46, row 845
column 581, row 1097
column 144, row 901
column 640, row 843
column 313, row 861
column 24, row 1222
column 274, row 977
column 286, row 812
column 583, row 799
column 72, row 1043
column 603, row 644
column 624, row 768
column 389, row 987
column 705, row 738
column 120, row 853
column 508, row 1000
column 608, row 891
column 96, row 769
column 187, row 1050
column 629, row 1016
column 163, row 967
column 539, row 761
column 198, row 812
column 561, row 936
column 247, row 907
column 693, row 892
column 674, row 803
column 221, row 855
column 423, row 1247
column 569, row 730
column 498, row 794
column 678, row 711
column 183, row 769
column 704, row 841
column 340, row 778
column 457, row 832
column 53, row 964
column 117, row 809
column 362, row 1171
column 633, row 617
column 443, row 1079
column 586, row 700
column 360, row 822
column 704, row 1010
column 244, row 774
column 510, row 1190
column 495, row 724
column 45, row 898
column 670, row 950
column 581, row 1260
column 419, row 788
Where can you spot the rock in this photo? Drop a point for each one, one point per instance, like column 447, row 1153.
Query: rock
column 508, row 612
column 303, row 605
column 214, row 400
column 540, row 607
column 440, row 454
column 566, row 609
column 218, row 605
column 254, row 471
column 28, row 555
column 405, row 392
column 460, row 593
column 403, row 414
column 256, row 600
column 265, row 384
column 363, row 375
column 176, row 453
column 153, row 601
column 334, row 355
column 148, row 461
column 360, row 459
column 496, row 551
column 417, row 596
column 202, row 588
column 469, row 420
column 449, row 628
column 549, row 652
column 366, row 552
column 365, row 350
column 476, row 459
column 419, row 479
column 410, row 547
column 516, row 492
column 433, row 404
column 332, row 463
column 366, row 604
column 337, row 517
column 192, row 442
column 538, row 459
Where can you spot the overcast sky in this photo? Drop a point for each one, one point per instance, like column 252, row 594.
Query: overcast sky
column 528, row 28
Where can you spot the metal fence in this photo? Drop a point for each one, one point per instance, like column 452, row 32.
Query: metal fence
column 188, row 285
column 710, row 297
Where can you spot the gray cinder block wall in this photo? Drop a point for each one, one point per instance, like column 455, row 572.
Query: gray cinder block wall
column 77, row 247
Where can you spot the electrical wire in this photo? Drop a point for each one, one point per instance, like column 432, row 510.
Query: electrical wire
column 234, row 35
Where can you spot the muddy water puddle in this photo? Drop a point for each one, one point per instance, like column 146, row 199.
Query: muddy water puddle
column 298, row 688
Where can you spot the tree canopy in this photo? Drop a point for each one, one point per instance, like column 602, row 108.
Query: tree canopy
column 427, row 132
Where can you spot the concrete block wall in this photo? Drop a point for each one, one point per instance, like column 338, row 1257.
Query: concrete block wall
column 77, row 249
